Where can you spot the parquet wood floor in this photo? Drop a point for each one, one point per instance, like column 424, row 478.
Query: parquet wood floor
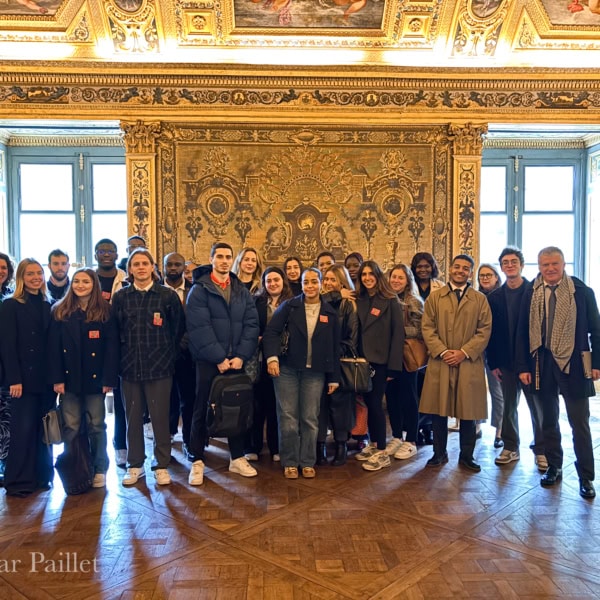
column 403, row 532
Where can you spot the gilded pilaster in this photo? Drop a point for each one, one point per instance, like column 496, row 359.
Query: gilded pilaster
column 140, row 159
column 468, row 145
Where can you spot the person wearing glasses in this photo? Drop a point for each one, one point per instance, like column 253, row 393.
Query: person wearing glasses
column 489, row 280
column 112, row 279
column 505, row 304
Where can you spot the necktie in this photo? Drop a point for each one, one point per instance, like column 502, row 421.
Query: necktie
column 458, row 294
column 551, row 311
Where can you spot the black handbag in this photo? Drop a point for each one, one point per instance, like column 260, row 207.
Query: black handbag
column 355, row 375
column 75, row 466
column 52, row 423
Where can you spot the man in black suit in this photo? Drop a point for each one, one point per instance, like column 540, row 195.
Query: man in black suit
column 184, row 380
column 558, row 321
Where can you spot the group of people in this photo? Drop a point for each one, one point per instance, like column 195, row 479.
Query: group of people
column 157, row 341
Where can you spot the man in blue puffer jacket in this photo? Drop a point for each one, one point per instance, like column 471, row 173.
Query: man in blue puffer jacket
column 223, row 332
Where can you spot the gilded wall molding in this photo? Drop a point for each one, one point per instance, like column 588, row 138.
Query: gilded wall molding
column 538, row 143
column 467, row 141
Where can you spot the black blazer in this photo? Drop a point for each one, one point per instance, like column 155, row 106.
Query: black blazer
column 381, row 330
column 84, row 356
column 23, row 342
column 325, row 339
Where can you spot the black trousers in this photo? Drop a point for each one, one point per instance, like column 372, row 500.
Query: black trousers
column 440, row 436
column 205, row 373
column 29, row 461
column 403, row 405
column 183, row 395
column 553, row 381
column 265, row 409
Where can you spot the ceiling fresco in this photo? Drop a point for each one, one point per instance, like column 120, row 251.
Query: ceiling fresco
column 309, row 14
column 481, row 33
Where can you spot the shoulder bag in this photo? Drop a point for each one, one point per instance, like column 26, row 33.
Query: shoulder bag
column 52, row 423
column 355, row 374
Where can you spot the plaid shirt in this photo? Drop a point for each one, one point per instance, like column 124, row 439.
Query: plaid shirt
column 151, row 325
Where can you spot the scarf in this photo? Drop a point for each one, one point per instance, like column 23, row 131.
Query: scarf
column 565, row 317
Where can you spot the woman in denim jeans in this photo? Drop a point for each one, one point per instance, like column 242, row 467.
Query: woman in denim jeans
column 84, row 362
column 310, row 360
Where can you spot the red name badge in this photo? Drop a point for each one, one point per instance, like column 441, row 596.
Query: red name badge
column 157, row 320
column 375, row 312
column 324, row 318
column 94, row 335
column 106, row 296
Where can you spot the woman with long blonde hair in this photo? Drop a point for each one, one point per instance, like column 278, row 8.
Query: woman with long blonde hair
column 24, row 322
column 84, row 362
column 248, row 267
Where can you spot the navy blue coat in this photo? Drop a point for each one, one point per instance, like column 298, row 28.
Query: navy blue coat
column 326, row 345
column 23, row 343
column 587, row 336
column 500, row 353
column 84, row 356
column 218, row 330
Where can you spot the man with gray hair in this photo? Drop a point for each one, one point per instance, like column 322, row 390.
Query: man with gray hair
column 559, row 352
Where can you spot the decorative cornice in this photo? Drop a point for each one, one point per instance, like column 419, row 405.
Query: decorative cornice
column 296, row 93
column 61, row 141
column 534, row 144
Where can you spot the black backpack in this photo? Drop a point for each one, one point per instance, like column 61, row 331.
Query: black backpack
column 231, row 405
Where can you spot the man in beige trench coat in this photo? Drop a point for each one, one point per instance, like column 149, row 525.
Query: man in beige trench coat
column 456, row 325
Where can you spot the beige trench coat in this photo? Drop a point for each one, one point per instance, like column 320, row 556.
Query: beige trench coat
column 447, row 325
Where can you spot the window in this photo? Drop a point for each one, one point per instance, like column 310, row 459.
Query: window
column 68, row 200
column 532, row 201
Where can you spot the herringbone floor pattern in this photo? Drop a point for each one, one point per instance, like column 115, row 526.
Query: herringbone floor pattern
column 404, row 532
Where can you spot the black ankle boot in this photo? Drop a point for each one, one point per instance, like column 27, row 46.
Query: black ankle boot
column 341, row 452
column 321, row 454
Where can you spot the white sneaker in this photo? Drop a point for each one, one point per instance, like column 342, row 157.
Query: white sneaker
column 132, row 475
column 393, row 446
column 162, row 477
column 276, row 458
column 252, row 456
column 121, row 458
column 378, row 461
column 99, row 480
column 407, row 450
column 196, row 476
column 367, row 452
column 242, row 467
column 148, row 431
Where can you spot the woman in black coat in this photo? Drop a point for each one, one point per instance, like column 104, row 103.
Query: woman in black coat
column 83, row 352
column 274, row 290
column 337, row 409
column 382, row 344
column 24, row 322
column 310, row 360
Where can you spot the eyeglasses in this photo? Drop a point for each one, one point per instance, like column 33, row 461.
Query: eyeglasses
column 105, row 252
column 486, row 275
column 514, row 261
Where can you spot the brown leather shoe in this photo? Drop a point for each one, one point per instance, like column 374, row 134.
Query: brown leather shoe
column 308, row 473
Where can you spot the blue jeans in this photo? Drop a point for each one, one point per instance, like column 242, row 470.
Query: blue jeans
column 73, row 406
column 298, row 403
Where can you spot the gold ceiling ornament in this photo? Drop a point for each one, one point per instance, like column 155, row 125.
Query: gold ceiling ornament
column 478, row 27
column 133, row 25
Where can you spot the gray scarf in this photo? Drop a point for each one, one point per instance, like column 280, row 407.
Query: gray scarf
column 565, row 317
